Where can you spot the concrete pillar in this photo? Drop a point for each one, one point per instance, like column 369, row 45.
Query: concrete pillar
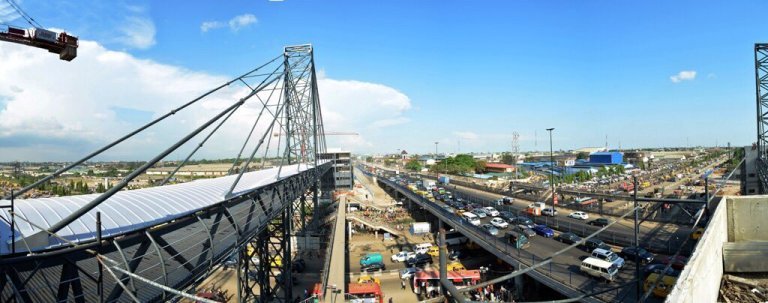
column 518, row 286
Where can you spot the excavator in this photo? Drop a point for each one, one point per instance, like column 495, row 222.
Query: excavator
column 60, row 43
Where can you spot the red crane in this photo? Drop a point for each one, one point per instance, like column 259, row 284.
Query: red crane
column 60, row 43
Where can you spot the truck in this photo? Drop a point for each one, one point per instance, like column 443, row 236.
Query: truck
column 419, row 228
column 428, row 184
column 627, row 186
column 443, row 180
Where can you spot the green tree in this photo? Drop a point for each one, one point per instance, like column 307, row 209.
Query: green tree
column 413, row 164
column 508, row 159
column 480, row 166
column 582, row 155
column 369, row 159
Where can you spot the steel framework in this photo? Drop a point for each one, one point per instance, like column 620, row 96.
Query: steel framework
column 164, row 261
column 761, row 94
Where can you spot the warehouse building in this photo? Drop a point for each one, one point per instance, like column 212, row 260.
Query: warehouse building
column 608, row 158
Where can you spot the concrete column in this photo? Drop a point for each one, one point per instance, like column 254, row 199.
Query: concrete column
column 518, row 286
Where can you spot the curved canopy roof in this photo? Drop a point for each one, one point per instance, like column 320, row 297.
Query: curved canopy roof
column 130, row 209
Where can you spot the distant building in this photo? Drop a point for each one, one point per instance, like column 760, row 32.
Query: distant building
column 590, row 150
column 606, row 158
column 750, row 184
column 342, row 167
column 403, row 155
column 499, row 168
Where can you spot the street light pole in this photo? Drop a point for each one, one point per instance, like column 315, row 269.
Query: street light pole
column 436, row 152
column 551, row 169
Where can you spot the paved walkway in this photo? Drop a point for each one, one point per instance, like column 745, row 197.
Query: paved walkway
column 337, row 270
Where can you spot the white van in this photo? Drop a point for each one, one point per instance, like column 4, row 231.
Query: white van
column 471, row 218
column 422, row 248
column 599, row 268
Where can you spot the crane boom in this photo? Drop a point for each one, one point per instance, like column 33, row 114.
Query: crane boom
column 60, row 43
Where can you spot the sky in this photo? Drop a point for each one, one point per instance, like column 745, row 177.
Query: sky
column 401, row 74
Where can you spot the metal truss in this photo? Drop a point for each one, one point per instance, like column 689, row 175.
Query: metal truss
column 151, row 264
column 761, row 92
column 175, row 254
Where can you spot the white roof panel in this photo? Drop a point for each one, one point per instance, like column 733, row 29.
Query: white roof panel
column 130, row 209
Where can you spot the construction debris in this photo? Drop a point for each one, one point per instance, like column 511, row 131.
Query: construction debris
column 738, row 289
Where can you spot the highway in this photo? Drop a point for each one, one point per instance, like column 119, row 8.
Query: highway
column 562, row 274
column 657, row 237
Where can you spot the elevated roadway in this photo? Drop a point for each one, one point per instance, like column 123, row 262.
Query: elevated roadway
column 563, row 275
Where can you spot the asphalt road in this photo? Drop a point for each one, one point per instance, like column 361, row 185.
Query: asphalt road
column 564, row 268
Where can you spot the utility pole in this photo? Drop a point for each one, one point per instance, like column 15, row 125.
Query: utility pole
column 551, row 168
column 436, row 152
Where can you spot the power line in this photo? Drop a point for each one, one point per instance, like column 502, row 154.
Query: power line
column 24, row 14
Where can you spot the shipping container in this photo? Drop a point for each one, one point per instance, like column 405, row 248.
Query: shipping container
column 44, row 34
column 419, row 228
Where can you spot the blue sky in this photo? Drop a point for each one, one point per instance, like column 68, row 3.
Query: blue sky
column 472, row 71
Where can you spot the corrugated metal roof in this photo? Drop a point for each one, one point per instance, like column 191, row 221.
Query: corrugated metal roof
column 131, row 209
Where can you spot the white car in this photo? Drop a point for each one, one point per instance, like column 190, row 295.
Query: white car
column 499, row 223
column 402, row 256
column 480, row 212
column 408, row 272
column 549, row 212
column 491, row 211
column 579, row 215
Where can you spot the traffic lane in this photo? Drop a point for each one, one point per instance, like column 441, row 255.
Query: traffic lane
column 566, row 264
column 662, row 237
column 565, row 267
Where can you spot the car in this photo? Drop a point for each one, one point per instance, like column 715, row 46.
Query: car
column 595, row 243
column 407, row 273
column 458, row 254
column 506, row 215
column 551, row 212
column 490, row 229
column 525, row 221
column 373, row 267
column 579, row 215
column 677, row 263
column 507, row 200
column 659, row 268
column 599, row 222
column 697, row 233
column 544, row 231
column 608, row 255
column 479, row 212
column 568, row 238
column 499, row 223
column 419, row 260
column 631, row 252
column 525, row 230
column 402, row 256
column 491, row 211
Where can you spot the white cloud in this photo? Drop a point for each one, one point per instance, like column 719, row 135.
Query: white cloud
column 138, row 32
column 466, row 135
column 683, row 75
column 361, row 107
column 241, row 21
column 44, row 116
column 209, row 25
column 235, row 24
column 7, row 13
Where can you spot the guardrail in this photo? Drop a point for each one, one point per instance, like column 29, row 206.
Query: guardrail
column 328, row 251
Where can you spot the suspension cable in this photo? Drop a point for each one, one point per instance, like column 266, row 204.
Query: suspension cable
column 131, row 134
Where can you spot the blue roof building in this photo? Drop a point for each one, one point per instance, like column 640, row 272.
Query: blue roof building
column 606, row 158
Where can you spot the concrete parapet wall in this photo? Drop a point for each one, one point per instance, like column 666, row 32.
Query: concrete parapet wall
column 700, row 280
